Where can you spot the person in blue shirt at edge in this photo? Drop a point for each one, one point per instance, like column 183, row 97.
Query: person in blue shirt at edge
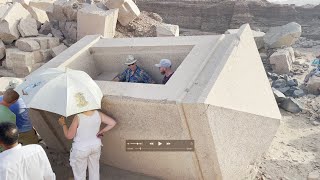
column 134, row 73
column 27, row 135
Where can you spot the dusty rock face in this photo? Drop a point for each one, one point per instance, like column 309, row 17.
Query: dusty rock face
column 10, row 20
column 286, row 35
column 218, row 16
column 28, row 27
column 241, row 14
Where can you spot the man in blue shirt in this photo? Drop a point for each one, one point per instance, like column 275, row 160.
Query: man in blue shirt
column 27, row 135
column 134, row 73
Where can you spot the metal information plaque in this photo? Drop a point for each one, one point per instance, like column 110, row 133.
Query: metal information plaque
column 159, row 145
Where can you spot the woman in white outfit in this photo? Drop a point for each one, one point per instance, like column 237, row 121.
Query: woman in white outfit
column 86, row 147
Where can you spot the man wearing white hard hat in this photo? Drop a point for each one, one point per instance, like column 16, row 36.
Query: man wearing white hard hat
column 134, row 73
column 165, row 69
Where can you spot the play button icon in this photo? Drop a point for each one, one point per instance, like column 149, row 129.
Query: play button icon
column 159, row 143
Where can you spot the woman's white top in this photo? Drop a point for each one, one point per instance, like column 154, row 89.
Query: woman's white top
column 87, row 131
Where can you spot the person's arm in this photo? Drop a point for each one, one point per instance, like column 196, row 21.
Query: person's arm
column 48, row 173
column 120, row 77
column 116, row 78
column 69, row 133
column 108, row 121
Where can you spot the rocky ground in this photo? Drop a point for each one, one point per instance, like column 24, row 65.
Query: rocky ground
column 295, row 151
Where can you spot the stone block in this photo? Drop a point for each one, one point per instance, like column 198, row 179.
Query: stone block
column 43, row 42
column 46, row 42
column 57, row 11
column 70, row 30
column 9, row 23
column 21, row 59
column 164, row 30
column 280, row 36
column 45, row 28
column 3, row 9
column 278, row 95
column 291, row 105
column 53, row 42
column 41, row 4
column 62, row 25
column 22, row 2
column 36, row 66
column 57, row 33
column 6, row 73
column 27, row 45
column 313, row 85
column 70, row 9
column 128, row 10
column 313, row 175
column 22, row 71
column 298, row 93
column 281, row 61
column 38, row 14
column 28, row 27
column 38, row 57
column 8, row 60
column 64, row 10
column 2, row 50
column 46, row 54
column 93, row 20
column 57, row 50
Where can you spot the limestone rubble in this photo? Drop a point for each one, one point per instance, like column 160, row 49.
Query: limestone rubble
column 9, row 22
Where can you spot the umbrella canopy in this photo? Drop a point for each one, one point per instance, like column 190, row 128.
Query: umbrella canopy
column 65, row 92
